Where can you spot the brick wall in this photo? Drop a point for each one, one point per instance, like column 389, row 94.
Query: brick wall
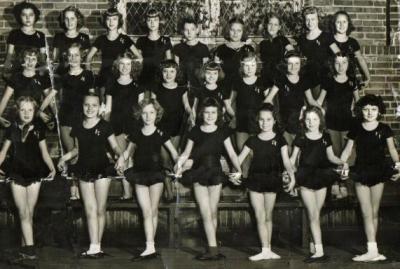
column 369, row 17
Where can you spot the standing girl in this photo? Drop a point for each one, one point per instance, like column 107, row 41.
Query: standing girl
column 112, row 44
column 30, row 163
column 371, row 168
column 92, row 138
column 206, row 144
column 122, row 94
column 154, row 48
column 272, row 48
column 147, row 173
column 71, row 21
column 265, row 178
column 346, row 44
column 340, row 91
column 314, row 173
column 230, row 53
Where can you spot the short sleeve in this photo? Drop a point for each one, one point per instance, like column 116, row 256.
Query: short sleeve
column 109, row 87
column 166, row 41
column 11, row 39
column 42, row 40
column 352, row 134
column 140, row 42
column 45, row 82
column 281, row 141
column 74, row 131
column 128, row 41
column 250, row 142
column 326, row 139
column 12, row 81
column 8, row 132
column 108, row 130
column 99, row 43
column 85, row 41
column 227, row 132
column 299, row 141
column 41, row 131
column 163, row 136
column 89, row 79
column 194, row 134
column 354, row 45
column 387, row 132
column 205, row 52
column 284, row 41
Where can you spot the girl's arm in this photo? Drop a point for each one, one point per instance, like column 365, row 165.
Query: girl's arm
column 363, row 66
column 172, row 150
column 295, row 155
column 271, row 95
column 46, row 158
column 3, row 103
column 205, row 59
column 289, row 47
column 89, row 57
column 228, row 107
column 55, row 54
column 332, row 157
column 123, row 157
column 186, row 104
column 356, row 96
column 321, row 97
column 48, row 100
column 288, row 166
column 347, row 150
column 114, row 145
column 310, row 99
column 136, row 52
column 108, row 107
column 176, row 58
column 4, row 150
column 232, row 154
column 392, row 149
column 68, row 156
column 183, row 157
column 168, row 54
column 9, row 56
column 245, row 152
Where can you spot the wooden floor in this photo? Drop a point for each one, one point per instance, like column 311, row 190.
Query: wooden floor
column 236, row 258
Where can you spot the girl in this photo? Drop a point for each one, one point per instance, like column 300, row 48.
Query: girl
column 291, row 86
column 154, row 48
column 212, row 74
column 230, row 53
column 147, row 173
column 314, row 45
column 92, row 137
column 28, row 83
column 71, row 21
column 30, row 162
column 122, row 94
column 75, row 84
column 112, row 44
column 314, row 173
column 340, row 90
column 191, row 54
column 26, row 14
column 174, row 100
column 371, row 169
column 206, row 144
column 264, row 179
column 272, row 48
column 342, row 28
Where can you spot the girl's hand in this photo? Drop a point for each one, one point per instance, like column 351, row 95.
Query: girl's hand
column 120, row 165
column 51, row 175
column 192, row 119
column 61, row 165
column 366, row 82
column 45, row 117
column 290, row 186
column 235, row 178
column 4, row 122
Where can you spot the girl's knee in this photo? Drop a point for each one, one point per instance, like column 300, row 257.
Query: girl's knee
column 147, row 213
column 260, row 215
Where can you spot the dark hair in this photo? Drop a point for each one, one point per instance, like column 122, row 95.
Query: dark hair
column 331, row 64
column 78, row 15
column 372, row 100
column 152, row 13
column 211, row 102
column 311, row 10
column 245, row 56
column 268, row 107
column 91, row 94
column 317, row 111
column 110, row 13
column 350, row 28
column 75, row 45
column 136, row 65
column 283, row 66
column 169, row 63
column 212, row 65
column 186, row 20
column 138, row 109
column 233, row 21
column 268, row 17
column 17, row 11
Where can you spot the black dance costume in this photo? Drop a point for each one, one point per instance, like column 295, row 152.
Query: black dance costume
column 249, row 98
column 62, row 43
column 291, row 100
column 272, row 53
column 349, row 47
column 147, row 169
column 153, row 52
column 191, row 60
column 316, row 52
column 124, row 99
column 26, row 165
column 219, row 94
column 315, row 171
column 206, row 154
column 110, row 50
column 93, row 162
column 339, row 97
column 231, row 62
column 29, row 86
column 371, row 166
column 74, row 88
column 265, row 173
column 174, row 110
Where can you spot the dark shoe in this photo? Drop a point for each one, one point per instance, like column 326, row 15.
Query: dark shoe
column 27, row 253
column 123, row 199
column 85, row 255
column 207, row 256
column 139, row 258
column 319, row 259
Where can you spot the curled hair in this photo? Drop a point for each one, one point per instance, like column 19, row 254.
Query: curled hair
column 283, row 66
column 152, row 13
column 320, row 114
column 213, row 66
column 310, row 10
column 268, row 107
column 350, row 27
column 78, row 15
column 30, row 52
column 138, row 109
column 211, row 102
column 331, row 64
column 268, row 17
column 75, row 45
column 169, row 63
column 372, row 100
column 229, row 25
column 27, row 99
column 110, row 13
column 136, row 65
column 186, row 20
column 17, row 11
column 247, row 56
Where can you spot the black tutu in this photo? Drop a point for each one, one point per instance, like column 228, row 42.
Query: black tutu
column 371, row 175
column 264, row 182
column 91, row 176
column 25, row 176
column 316, row 178
column 205, row 176
column 146, row 178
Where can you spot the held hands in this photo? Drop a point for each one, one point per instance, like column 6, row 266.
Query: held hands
column 120, row 165
column 50, row 176
column 396, row 176
column 45, row 117
column 4, row 122
column 235, row 178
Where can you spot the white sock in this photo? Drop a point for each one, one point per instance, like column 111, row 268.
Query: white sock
column 93, row 249
column 372, row 247
column 266, row 250
column 319, row 251
column 150, row 249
